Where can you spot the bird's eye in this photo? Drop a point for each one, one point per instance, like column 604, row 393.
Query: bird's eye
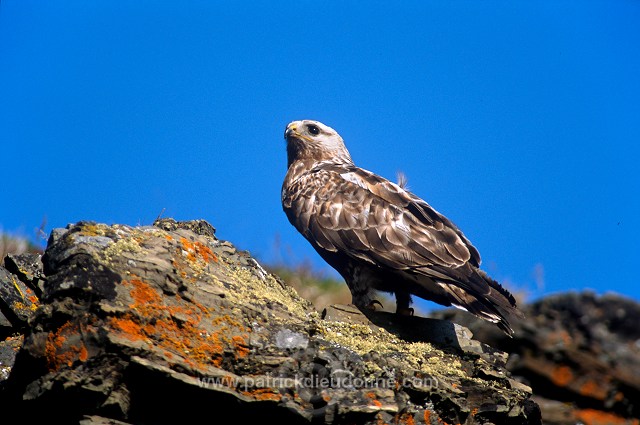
column 313, row 129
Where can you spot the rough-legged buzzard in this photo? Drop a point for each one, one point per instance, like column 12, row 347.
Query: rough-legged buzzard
column 378, row 235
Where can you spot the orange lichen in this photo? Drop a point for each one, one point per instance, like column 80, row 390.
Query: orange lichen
column 178, row 268
column 169, row 237
column 372, row 397
column 561, row 376
column 598, row 417
column 198, row 250
column 561, row 336
column 228, row 320
column 17, row 305
column 128, row 328
column 61, row 349
column 240, row 345
column 591, row 389
column 142, row 293
column 31, row 297
column 197, row 350
column 83, row 355
column 428, row 418
column 206, row 253
column 405, row 418
column 186, row 244
column 176, row 327
column 33, row 303
column 263, row 394
column 379, row 420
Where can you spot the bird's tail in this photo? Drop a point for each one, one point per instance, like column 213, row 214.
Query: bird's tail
column 485, row 298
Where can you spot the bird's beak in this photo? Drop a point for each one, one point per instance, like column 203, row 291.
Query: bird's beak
column 292, row 129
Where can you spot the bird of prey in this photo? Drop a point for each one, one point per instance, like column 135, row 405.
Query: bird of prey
column 378, row 235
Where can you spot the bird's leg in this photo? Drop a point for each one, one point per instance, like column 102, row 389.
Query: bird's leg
column 403, row 300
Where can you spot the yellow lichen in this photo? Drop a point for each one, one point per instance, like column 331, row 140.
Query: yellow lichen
column 361, row 339
column 94, row 230
column 127, row 244
column 17, row 286
column 22, row 306
column 268, row 288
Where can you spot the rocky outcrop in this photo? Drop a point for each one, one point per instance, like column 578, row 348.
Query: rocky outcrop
column 167, row 324
column 579, row 352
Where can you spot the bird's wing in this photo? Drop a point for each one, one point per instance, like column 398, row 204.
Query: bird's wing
column 354, row 212
column 365, row 216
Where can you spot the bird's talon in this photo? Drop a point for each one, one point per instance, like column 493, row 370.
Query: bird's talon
column 372, row 305
column 407, row 311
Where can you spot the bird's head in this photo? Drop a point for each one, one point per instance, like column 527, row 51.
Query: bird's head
column 312, row 140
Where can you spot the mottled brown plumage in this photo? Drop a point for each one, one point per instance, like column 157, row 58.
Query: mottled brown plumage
column 378, row 235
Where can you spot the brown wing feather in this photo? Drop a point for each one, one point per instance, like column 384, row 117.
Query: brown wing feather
column 365, row 216
column 455, row 263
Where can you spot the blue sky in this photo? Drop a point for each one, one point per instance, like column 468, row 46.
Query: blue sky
column 520, row 121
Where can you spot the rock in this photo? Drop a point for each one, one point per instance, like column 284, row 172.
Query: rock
column 8, row 350
column 28, row 269
column 17, row 303
column 579, row 352
column 166, row 324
